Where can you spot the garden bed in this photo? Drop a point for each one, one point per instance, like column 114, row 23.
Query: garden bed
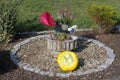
column 36, row 54
column 112, row 72
column 32, row 54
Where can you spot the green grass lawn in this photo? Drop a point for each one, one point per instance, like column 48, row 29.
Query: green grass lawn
column 30, row 10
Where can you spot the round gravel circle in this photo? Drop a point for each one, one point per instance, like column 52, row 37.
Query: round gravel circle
column 32, row 54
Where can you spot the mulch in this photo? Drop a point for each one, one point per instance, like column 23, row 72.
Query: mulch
column 9, row 71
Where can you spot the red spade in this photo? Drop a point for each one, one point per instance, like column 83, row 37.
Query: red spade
column 47, row 20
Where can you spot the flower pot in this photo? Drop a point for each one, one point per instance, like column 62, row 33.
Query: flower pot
column 61, row 28
column 57, row 45
column 64, row 27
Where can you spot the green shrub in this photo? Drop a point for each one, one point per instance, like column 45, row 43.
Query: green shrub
column 104, row 16
column 7, row 21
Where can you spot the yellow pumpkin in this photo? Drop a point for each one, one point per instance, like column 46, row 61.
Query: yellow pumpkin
column 67, row 60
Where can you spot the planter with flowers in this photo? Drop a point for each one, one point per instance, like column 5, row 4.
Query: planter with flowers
column 62, row 38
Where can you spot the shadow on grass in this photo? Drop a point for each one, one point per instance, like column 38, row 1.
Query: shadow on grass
column 6, row 64
column 32, row 25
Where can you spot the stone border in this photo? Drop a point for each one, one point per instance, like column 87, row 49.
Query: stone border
column 28, row 67
column 46, row 31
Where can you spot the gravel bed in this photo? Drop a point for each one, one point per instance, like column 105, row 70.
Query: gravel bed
column 37, row 55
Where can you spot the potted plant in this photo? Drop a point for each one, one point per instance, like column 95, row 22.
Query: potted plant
column 64, row 20
column 61, row 39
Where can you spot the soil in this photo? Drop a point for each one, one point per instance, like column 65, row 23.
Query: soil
column 9, row 71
